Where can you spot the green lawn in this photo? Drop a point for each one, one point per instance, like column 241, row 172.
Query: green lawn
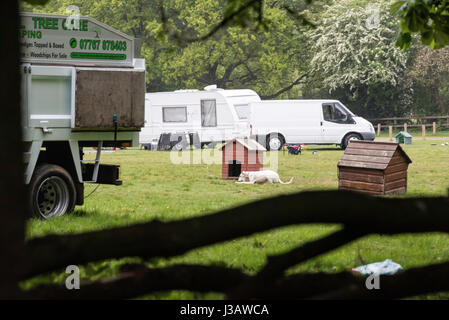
column 154, row 188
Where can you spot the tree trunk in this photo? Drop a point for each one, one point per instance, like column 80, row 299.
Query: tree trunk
column 436, row 99
column 12, row 190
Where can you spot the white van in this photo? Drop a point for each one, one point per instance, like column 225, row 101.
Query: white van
column 211, row 116
column 278, row 122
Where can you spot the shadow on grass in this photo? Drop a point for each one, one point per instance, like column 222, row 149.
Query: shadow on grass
column 79, row 213
column 324, row 149
column 83, row 213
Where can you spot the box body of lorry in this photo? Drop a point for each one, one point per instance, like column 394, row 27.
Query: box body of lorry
column 278, row 122
column 213, row 115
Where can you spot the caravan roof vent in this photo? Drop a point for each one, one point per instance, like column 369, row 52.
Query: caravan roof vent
column 212, row 88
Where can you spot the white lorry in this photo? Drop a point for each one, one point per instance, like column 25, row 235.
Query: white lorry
column 278, row 122
column 81, row 87
column 208, row 116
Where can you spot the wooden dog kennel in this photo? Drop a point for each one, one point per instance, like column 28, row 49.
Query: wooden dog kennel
column 374, row 167
column 241, row 155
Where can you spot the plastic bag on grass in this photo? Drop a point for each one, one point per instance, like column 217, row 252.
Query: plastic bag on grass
column 387, row 267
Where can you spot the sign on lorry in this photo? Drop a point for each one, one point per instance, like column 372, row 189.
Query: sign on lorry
column 56, row 39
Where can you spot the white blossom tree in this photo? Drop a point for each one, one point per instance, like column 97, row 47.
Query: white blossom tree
column 355, row 46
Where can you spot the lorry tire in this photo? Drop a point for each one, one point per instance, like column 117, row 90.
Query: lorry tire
column 274, row 142
column 348, row 138
column 51, row 192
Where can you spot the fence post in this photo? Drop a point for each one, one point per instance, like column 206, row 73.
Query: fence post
column 405, row 126
column 378, row 129
column 423, row 132
column 390, row 132
column 434, row 124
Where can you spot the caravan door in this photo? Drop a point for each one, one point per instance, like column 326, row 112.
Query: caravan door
column 208, row 119
column 216, row 121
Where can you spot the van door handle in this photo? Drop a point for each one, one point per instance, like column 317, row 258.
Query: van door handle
column 321, row 123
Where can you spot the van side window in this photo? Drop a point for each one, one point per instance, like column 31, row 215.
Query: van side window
column 327, row 112
column 174, row 114
column 334, row 113
column 208, row 113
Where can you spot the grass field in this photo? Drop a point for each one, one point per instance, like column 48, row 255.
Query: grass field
column 154, row 188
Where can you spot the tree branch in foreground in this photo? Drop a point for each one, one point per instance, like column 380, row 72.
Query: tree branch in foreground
column 141, row 281
column 278, row 264
column 412, row 282
column 386, row 216
column 346, row 285
column 156, row 239
column 255, row 4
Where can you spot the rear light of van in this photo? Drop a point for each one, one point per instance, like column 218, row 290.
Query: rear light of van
column 250, row 129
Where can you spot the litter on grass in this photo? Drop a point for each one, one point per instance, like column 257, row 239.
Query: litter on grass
column 386, row 267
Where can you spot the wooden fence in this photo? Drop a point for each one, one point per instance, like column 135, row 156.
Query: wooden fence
column 404, row 123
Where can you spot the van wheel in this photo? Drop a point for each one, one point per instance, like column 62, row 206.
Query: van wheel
column 275, row 142
column 51, row 192
column 348, row 138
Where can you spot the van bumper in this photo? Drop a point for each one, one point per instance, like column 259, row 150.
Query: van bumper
column 368, row 136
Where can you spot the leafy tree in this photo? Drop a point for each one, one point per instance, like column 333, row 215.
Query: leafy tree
column 429, row 74
column 265, row 45
column 356, row 58
column 429, row 18
column 266, row 61
column 351, row 52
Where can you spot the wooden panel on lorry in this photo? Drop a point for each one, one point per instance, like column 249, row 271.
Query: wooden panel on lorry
column 102, row 93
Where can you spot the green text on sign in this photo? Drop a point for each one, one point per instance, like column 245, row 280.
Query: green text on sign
column 99, row 56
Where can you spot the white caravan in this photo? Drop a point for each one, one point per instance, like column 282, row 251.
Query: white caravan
column 209, row 116
column 275, row 123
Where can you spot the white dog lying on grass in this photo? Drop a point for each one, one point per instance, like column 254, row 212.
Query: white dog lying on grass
column 260, row 177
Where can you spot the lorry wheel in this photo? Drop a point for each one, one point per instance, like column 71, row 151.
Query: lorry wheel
column 348, row 138
column 52, row 192
column 274, row 142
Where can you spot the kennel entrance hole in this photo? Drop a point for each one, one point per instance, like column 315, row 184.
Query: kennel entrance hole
column 235, row 169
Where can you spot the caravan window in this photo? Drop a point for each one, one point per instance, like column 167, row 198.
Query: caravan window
column 242, row 111
column 208, row 113
column 174, row 114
